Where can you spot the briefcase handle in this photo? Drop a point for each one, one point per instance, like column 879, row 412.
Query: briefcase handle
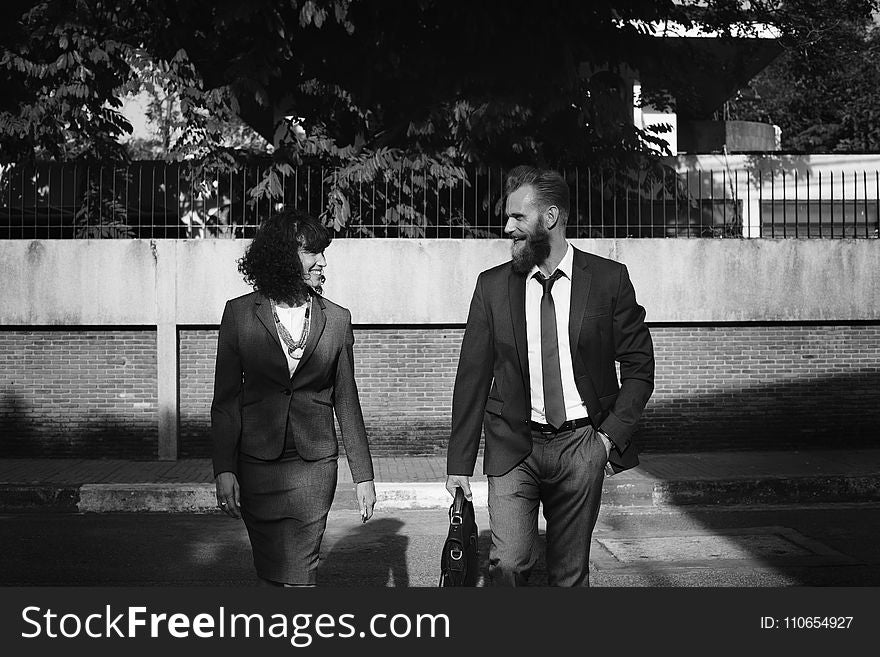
column 456, row 511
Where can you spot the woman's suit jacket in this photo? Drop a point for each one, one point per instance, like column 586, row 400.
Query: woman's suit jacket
column 257, row 406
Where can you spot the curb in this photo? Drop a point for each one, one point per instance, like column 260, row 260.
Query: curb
column 171, row 498
column 426, row 495
column 645, row 495
column 777, row 490
column 16, row 498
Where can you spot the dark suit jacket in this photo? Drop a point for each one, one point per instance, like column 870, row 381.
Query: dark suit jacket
column 257, row 406
column 492, row 384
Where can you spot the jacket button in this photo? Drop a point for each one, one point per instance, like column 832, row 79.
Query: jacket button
column 285, row 392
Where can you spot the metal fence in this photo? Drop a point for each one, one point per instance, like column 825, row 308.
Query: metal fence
column 167, row 200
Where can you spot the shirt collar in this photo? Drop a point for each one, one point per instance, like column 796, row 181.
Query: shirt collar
column 565, row 265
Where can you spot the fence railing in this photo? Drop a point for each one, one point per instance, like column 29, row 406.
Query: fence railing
column 166, row 200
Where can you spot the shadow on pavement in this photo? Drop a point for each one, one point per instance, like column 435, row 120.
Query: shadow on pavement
column 372, row 554
column 151, row 549
column 784, row 414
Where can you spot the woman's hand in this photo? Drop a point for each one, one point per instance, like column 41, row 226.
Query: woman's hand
column 228, row 495
column 366, row 497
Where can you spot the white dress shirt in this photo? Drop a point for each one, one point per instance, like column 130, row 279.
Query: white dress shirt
column 561, row 292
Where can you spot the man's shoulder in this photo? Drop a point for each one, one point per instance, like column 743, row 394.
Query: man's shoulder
column 595, row 262
column 496, row 273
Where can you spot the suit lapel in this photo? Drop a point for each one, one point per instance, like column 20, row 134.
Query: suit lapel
column 263, row 310
column 516, row 289
column 318, row 321
column 581, row 279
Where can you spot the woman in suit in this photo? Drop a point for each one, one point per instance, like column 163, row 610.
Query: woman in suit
column 284, row 365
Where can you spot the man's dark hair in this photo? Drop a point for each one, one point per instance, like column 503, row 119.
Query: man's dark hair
column 550, row 188
column 271, row 262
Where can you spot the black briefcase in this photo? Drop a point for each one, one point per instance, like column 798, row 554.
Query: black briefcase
column 459, row 562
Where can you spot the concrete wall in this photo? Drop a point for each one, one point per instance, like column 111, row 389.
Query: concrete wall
column 137, row 282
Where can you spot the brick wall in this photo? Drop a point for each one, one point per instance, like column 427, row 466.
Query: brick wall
column 718, row 387
column 78, row 393
column 776, row 386
column 404, row 375
column 405, row 378
column 197, row 349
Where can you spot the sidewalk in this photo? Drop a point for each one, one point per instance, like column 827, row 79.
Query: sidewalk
column 661, row 480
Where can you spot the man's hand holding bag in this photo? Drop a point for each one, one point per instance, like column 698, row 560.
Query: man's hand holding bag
column 459, row 561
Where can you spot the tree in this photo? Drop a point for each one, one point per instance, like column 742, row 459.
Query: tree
column 822, row 91
column 61, row 66
column 364, row 89
column 427, row 86
column 160, row 96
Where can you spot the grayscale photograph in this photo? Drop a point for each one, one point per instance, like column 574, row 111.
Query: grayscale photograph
column 431, row 294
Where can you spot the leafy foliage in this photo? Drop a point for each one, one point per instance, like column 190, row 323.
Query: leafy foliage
column 101, row 215
column 406, row 92
column 59, row 67
column 822, row 90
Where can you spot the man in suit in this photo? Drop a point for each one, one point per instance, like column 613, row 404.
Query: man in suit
column 537, row 372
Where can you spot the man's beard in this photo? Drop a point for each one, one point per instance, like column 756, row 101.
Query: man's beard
column 534, row 250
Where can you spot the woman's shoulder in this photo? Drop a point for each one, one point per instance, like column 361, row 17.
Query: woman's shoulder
column 333, row 309
column 245, row 299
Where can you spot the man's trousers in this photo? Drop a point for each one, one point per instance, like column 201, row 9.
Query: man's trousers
column 564, row 472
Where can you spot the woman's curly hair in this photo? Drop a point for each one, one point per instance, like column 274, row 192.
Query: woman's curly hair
column 271, row 262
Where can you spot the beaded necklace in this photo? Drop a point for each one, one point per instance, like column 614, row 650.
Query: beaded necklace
column 294, row 348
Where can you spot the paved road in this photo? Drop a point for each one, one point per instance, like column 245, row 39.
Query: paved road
column 729, row 546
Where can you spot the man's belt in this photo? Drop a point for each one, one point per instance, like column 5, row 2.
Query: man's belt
column 568, row 425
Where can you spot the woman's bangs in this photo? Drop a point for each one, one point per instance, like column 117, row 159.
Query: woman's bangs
column 313, row 238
